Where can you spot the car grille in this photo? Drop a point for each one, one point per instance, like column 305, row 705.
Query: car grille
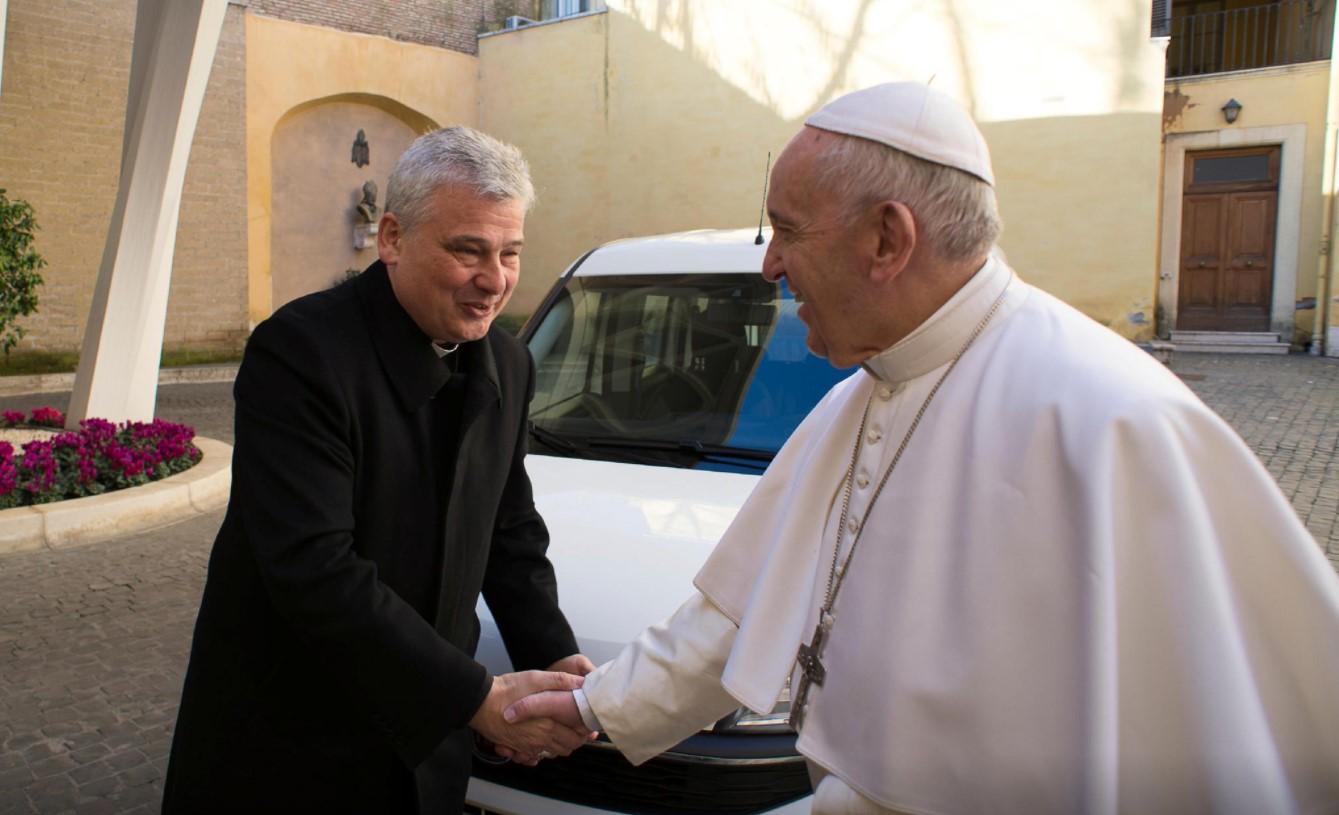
column 721, row 774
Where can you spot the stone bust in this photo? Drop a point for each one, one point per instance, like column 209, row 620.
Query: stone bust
column 367, row 208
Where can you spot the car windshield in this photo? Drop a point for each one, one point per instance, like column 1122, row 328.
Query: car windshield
column 690, row 370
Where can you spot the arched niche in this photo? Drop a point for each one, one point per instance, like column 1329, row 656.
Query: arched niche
column 316, row 186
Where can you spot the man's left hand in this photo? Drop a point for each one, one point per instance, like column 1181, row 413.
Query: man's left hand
column 577, row 664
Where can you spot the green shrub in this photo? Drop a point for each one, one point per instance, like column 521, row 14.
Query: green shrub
column 19, row 263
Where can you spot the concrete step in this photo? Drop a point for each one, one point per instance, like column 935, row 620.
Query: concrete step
column 1226, row 337
column 1230, row 348
column 1228, row 342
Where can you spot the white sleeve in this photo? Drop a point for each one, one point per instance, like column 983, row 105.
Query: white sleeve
column 665, row 685
column 588, row 717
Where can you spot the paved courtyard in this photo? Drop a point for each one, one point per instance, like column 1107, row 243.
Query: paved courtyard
column 1287, row 410
column 93, row 640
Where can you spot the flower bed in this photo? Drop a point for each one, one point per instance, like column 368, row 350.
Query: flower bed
column 99, row 457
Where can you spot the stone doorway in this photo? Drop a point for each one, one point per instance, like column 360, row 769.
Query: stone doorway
column 1229, row 220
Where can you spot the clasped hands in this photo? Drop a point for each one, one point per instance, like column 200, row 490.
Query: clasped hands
column 523, row 715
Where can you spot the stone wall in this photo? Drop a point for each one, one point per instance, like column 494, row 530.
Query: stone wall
column 62, row 110
column 454, row 24
column 207, row 303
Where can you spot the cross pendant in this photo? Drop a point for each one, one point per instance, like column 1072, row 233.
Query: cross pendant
column 809, row 659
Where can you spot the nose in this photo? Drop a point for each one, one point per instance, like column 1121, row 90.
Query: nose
column 772, row 268
column 492, row 276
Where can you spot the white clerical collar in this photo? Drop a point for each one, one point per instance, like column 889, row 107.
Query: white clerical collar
column 935, row 341
column 442, row 349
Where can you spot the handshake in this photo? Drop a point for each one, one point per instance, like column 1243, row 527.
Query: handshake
column 531, row 715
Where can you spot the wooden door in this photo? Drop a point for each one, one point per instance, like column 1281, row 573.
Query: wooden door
column 1228, row 216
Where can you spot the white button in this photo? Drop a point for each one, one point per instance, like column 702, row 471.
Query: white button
column 885, row 393
column 862, row 481
column 853, row 524
column 873, row 436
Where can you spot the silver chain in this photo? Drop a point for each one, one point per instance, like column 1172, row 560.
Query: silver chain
column 836, row 576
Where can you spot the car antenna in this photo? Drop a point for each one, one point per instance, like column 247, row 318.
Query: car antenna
column 762, row 210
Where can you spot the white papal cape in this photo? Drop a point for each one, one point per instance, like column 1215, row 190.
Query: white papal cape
column 1079, row 592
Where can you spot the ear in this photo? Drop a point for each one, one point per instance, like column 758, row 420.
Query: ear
column 896, row 227
column 389, row 235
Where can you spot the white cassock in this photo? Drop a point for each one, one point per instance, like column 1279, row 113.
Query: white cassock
column 1079, row 592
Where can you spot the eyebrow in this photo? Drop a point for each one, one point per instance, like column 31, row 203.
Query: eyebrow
column 477, row 240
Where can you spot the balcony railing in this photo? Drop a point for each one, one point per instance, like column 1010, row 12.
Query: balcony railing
column 1281, row 33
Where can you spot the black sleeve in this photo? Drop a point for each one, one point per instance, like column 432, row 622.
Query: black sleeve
column 293, row 471
column 519, row 584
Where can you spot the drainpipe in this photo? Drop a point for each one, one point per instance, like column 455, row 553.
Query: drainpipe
column 1327, row 263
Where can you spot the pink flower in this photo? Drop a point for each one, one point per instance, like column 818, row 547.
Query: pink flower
column 9, row 474
column 48, row 417
column 100, row 456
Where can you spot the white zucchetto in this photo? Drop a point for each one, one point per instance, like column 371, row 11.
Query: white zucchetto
column 910, row 117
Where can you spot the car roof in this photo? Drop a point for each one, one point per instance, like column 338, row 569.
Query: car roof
column 729, row 251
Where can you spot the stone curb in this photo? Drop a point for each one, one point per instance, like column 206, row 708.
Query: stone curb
column 97, row 518
column 56, row 383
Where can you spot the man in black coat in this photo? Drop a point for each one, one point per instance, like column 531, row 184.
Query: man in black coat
column 378, row 487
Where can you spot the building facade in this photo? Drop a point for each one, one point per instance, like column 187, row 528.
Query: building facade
column 1124, row 187
column 655, row 117
column 269, row 205
column 1248, row 174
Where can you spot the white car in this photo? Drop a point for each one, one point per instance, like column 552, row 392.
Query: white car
column 669, row 372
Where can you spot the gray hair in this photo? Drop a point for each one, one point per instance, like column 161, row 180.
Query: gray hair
column 456, row 155
column 955, row 212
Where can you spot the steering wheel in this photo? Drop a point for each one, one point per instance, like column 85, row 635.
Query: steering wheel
column 600, row 412
column 676, row 383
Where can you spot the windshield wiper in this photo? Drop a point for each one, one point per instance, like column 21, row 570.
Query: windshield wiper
column 699, row 448
column 557, row 441
column 582, row 447
column 579, row 446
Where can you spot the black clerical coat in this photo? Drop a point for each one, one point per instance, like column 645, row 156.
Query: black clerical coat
column 332, row 669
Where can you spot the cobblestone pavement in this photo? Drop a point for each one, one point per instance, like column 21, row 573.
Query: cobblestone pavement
column 1287, row 410
column 93, row 640
column 93, row 643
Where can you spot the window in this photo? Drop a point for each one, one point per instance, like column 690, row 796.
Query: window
column 557, row 9
column 1162, row 18
column 1231, row 169
column 674, row 361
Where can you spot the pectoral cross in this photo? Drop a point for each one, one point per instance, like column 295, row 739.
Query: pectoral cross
column 809, row 659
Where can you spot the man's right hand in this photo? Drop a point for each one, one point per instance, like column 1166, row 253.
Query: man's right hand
column 557, row 705
column 534, row 738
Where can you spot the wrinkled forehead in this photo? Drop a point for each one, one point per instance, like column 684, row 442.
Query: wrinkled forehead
column 803, row 149
column 794, row 183
column 453, row 201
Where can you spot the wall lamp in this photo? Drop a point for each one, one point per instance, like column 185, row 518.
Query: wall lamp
column 1231, row 110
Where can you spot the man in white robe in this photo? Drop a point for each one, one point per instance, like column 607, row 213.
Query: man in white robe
column 1079, row 591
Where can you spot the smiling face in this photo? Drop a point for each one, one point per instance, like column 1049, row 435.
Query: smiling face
column 454, row 272
column 818, row 252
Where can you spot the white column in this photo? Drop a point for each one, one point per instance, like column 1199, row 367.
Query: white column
column 4, row 15
column 1326, row 335
column 174, row 49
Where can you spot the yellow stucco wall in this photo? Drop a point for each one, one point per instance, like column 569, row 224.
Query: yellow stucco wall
column 1292, row 95
column 658, row 116
column 291, row 65
column 316, row 190
column 556, row 114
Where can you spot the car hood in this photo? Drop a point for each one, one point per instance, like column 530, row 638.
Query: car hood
column 626, row 541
